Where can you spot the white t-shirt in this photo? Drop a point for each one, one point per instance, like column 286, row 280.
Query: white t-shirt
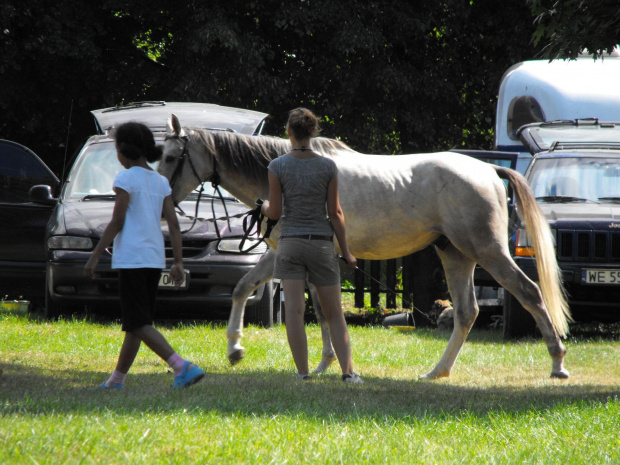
column 140, row 244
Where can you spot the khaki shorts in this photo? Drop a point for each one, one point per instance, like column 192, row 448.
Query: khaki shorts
column 296, row 258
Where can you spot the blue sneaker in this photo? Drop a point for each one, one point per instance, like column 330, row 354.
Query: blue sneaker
column 188, row 377
column 112, row 386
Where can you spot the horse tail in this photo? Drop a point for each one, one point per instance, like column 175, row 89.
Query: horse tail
column 538, row 231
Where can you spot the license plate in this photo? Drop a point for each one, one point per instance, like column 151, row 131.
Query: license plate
column 600, row 277
column 166, row 282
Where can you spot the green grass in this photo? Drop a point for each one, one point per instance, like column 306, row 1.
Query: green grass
column 499, row 405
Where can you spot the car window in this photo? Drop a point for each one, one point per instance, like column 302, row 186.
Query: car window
column 94, row 172
column 95, row 169
column 20, row 169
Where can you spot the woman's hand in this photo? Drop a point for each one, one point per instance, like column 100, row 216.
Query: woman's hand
column 350, row 260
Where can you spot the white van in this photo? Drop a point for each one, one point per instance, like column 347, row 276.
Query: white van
column 541, row 90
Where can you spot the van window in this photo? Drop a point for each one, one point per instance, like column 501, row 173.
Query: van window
column 523, row 110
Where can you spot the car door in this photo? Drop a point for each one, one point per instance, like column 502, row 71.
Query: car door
column 22, row 222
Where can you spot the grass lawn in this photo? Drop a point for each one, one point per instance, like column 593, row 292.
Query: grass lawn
column 499, row 405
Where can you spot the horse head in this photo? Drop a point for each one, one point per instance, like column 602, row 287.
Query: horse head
column 185, row 163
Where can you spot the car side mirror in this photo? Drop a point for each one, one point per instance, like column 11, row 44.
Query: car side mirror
column 41, row 194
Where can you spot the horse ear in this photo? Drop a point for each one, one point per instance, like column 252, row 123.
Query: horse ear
column 173, row 127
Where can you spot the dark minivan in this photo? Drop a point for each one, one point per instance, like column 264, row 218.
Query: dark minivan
column 49, row 229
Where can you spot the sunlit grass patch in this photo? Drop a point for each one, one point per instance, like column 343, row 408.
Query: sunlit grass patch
column 498, row 406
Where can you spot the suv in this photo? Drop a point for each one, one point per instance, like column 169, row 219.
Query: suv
column 575, row 176
column 49, row 229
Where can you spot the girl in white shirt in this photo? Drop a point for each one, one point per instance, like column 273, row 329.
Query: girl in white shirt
column 142, row 195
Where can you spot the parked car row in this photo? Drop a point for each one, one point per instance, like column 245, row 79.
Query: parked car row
column 50, row 227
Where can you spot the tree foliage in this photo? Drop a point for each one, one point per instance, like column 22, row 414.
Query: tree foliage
column 386, row 77
column 567, row 27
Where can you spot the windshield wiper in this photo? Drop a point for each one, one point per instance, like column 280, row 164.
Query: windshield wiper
column 610, row 199
column 99, row 196
column 563, row 199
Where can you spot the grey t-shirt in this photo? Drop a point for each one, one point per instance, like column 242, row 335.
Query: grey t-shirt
column 304, row 193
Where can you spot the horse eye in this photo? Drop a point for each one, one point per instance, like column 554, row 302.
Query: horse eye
column 170, row 158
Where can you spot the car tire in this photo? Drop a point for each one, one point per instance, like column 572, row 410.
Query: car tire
column 518, row 322
column 278, row 307
column 52, row 310
column 262, row 313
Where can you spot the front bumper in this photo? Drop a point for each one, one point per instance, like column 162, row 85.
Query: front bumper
column 587, row 301
column 211, row 282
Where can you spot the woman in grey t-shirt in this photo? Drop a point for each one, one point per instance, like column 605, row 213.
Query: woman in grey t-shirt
column 303, row 193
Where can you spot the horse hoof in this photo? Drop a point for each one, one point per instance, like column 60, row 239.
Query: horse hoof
column 562, row 374
column 324, row 365
column 236, row 356
column 434, row 375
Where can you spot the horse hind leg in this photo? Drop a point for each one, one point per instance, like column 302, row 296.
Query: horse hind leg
column 328, row 356
column 459, row 276
column 511, row 278
column 260, row 274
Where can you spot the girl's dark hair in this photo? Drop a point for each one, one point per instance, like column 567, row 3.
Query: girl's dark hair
column 135, row 140
column 303, row 123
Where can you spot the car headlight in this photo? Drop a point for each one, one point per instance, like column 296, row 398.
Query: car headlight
column 524, row 246
column 232, row 246
column 69, row 243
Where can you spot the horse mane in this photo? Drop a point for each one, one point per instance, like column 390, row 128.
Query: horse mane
column 252, row 154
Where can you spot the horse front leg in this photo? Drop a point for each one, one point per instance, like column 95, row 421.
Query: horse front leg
column 260, row 274
column 328, row 356
column 459, row 276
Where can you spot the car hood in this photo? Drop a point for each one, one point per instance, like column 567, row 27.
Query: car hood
column 563, row 214
column 90, row 218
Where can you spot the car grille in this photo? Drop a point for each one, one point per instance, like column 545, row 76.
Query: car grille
column 190, row 248
column 588, row 246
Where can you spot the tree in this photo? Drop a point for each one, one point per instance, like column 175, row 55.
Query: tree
column 568, row 27
column 61, row 59
column 387, row 77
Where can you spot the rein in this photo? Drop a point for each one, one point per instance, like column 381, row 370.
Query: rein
column 255, row 214
column 256, row 219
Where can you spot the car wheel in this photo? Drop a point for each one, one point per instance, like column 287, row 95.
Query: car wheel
column 261, row 314
column 52, row 310
column 278, row 307
column 518, row 322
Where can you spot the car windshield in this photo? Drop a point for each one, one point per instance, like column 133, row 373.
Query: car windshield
column 94, row 171
column 567, row 179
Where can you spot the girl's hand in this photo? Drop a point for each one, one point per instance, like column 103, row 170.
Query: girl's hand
column 177, row 272
column 89, row 268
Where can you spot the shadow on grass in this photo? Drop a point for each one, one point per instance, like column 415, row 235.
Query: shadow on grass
column 272, row 393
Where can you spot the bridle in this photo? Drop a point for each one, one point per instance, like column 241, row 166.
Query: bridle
column 256, row 217
column 214, row 178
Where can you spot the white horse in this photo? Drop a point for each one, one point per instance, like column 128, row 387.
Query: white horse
column 393, row 206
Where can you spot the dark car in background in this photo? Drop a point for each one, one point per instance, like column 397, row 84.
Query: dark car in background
column 575, row 176
column 54, row 228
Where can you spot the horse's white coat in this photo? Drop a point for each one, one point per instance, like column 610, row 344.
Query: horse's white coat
column 394, row 206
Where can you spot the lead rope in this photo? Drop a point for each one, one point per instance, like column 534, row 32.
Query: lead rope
column 405, row 301
column 256, row 218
